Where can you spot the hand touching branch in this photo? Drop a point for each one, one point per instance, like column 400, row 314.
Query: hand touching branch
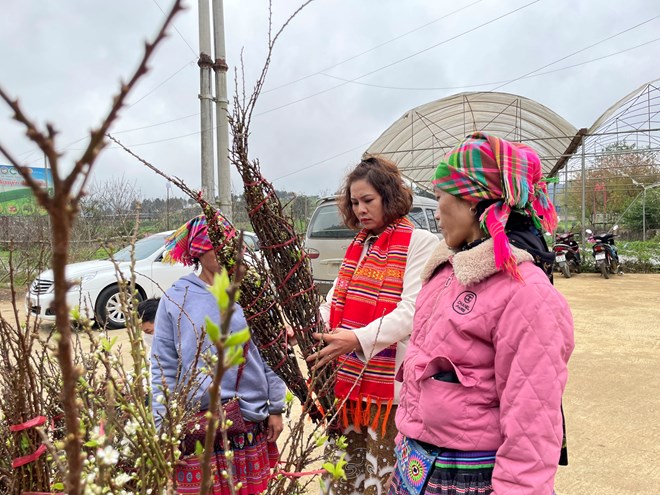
column 338, row 342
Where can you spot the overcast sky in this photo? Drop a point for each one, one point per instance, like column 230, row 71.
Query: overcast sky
column 64, row 60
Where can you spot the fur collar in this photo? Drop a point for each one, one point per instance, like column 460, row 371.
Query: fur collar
column 471, row 266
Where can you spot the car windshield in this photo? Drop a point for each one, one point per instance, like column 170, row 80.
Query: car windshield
column 143, row 248
column 327, row 223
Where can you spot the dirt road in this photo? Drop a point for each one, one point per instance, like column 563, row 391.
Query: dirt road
column 612, row 402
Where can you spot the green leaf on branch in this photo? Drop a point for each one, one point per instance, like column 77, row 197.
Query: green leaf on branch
column 238, row 338
column 212, row 330
column 336, row 470
column 320, row 441
column 234, row 357
column 199, row 449
column 107, row 344
column 219, row 289
column 57, row 487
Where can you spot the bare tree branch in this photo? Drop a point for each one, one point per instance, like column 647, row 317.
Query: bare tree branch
column 62, row 208
column 96, row 142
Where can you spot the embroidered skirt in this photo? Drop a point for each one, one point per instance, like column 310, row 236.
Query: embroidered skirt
column 254, row 457
column 436, row 471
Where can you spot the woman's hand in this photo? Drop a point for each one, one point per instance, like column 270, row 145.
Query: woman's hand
column 275, row 427
column 338, row 342
column 290, row 335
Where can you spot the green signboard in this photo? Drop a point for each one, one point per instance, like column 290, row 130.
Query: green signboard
column 16, row 198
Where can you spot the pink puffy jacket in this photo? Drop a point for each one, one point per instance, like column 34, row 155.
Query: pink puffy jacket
column 509, row 343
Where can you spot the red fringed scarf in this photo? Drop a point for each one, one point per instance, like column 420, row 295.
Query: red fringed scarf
column 364, row 293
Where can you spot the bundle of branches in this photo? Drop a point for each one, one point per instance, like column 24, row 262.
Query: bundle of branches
column 257, row 297
column 289, row 264
column 28, row 403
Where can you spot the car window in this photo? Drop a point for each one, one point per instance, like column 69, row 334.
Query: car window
column 416, row 216
column 327, row 223
column 143, row 248
column 430, row 216
column 251, row 241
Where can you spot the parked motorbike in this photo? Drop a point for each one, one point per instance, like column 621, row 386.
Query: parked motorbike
column 604, row 252
column 567, row 253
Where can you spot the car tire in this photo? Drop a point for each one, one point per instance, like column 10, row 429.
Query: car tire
column 109, row 312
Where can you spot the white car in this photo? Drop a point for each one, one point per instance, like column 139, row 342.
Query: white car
column 94, row 283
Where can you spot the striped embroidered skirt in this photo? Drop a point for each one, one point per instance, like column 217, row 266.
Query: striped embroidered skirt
column 436, row 471
column 254, row 457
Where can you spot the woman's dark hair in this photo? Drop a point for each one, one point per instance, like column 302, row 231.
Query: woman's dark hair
column 146, row 310
column 384, row 176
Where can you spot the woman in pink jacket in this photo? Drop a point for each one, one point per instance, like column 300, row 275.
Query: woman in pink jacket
column 486, row 367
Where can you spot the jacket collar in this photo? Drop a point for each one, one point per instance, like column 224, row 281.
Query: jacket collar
column 471, row 266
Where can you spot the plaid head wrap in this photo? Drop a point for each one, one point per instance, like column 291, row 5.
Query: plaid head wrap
column 191, row 240
column 484, row 167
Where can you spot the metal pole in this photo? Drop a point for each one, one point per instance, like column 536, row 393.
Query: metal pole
column 584, row 194
column 566, row 196
column 221, row 117
column 644, row 215
column 205, row 64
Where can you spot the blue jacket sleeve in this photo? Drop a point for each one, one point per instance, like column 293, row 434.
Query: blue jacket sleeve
column 164, row 360
column 276, row 391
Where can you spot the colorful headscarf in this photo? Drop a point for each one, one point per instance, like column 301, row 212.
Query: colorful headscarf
column 191, row 240
column 484, row 167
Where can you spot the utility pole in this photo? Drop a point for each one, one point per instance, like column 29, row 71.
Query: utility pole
column 205, row 64
column 220, row 68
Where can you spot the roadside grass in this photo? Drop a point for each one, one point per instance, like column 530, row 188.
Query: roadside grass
column 635, row 256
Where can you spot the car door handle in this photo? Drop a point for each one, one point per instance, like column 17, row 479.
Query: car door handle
column 331, row 262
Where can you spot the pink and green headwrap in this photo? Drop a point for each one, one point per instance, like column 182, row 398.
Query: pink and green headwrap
column 191, row 240
column 484, row 167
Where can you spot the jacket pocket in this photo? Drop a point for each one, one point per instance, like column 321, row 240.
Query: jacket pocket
column 444, row 403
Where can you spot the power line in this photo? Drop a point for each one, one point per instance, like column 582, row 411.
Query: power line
column 372, row 48
column 576, row 52
column 401, row 59
column 467, row 86
column 177, row 31
column 187, row 64
column 157, row 124
column 320, row 162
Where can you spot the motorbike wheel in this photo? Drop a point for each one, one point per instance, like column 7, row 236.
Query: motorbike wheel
column 603, row 270
column 614, row 267
column 566, row 270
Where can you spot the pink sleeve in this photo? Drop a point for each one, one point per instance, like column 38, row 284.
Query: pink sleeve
column 533, row 341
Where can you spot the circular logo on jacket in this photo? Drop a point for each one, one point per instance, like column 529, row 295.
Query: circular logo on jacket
column 465, row 302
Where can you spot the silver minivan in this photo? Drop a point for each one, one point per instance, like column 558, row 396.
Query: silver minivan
column 328, row 238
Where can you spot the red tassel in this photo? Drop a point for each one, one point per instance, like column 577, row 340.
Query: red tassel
column 374, row 424
column 387, row 416
column 367, row 412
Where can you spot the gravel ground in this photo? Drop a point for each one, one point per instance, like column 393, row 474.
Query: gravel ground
column 613, row 395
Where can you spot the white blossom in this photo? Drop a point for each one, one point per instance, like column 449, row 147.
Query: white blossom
column 108, row 455
column 122, row 478
column 131, row 427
